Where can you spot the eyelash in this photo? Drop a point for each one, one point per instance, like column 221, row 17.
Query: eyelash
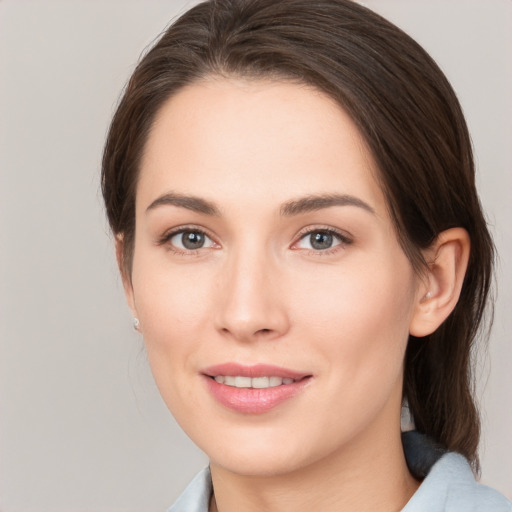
column 167, row 237
column 343, row 239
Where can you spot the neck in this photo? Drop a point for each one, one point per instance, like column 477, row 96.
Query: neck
column 357, row 478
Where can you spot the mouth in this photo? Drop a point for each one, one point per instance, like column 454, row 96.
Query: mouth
column 254, row 389
column 239, row 381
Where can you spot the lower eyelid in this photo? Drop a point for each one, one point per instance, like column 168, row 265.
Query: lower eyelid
column 179, row 250
column 342, row 239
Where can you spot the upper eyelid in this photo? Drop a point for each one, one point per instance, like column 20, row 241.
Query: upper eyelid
column 168, row 234
column 345, row 240
column 347, row 237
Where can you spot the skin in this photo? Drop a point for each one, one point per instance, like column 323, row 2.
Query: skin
column 258, row 292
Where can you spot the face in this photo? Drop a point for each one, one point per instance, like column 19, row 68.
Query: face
column 272, row 293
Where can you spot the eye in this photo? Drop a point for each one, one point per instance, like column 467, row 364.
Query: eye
column 321, row 240
column 189, row 240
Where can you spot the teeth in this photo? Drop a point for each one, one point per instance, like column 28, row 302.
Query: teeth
column 243, row 382
column 275, row 381
column 260, row 382
column 256, row 382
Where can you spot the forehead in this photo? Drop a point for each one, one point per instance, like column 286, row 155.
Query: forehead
column 230, row 138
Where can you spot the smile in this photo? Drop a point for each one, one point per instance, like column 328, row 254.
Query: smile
column 240, row 381
column 254, row 389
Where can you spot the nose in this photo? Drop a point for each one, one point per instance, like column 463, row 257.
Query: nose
column 252, row 302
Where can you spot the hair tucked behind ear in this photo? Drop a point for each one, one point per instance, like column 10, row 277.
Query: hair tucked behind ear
column 411, row 120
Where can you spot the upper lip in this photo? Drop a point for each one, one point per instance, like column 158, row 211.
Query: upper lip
column 256, row 370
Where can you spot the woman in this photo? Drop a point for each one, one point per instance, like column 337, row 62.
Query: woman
column 291, row 188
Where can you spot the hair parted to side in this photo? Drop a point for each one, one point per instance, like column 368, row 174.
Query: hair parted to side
column 412, row 123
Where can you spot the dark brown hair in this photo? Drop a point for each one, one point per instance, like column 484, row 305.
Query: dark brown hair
column 412, row 123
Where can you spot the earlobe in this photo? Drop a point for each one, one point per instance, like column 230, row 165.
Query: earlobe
column 439, row 292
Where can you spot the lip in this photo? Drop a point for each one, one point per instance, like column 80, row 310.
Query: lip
column 252, row 400
column 256, row 370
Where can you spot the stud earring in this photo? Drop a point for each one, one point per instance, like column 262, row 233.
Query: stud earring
column 428, row 295
column 136, row 323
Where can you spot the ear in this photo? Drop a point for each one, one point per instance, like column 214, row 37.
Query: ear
column 439, row 291
column 125, row 276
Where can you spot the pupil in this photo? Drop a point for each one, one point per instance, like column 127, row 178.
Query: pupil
column 192, row 240
column 321, row 241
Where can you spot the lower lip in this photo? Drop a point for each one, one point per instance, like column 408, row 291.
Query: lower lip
column 252, row 400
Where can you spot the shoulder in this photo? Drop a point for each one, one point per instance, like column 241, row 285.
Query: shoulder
column 196, row 496
column 450, row 486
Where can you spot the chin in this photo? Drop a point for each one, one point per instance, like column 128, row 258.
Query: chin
column 261, row 454
column 259, row 464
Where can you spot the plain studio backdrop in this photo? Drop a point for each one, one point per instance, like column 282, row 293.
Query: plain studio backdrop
column 82, row 427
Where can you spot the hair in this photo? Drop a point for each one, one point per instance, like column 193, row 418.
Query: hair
column 411, row 121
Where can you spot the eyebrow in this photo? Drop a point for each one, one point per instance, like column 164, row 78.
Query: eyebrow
column 291, row 208
column 319, row 202
column 196, row 204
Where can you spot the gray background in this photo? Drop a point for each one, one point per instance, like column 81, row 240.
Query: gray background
column 82, row 427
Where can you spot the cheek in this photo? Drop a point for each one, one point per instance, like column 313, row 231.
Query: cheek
column 167, row 297
column 357, row 324
column 173, row 307
column 362, row 315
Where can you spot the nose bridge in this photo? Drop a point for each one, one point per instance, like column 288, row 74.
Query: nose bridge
column 251, row 305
